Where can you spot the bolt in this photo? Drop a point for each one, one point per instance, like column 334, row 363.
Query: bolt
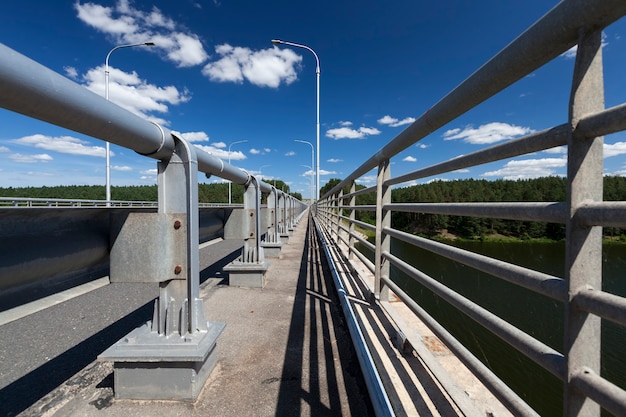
column 251, row 214
column 177, row 224
column 178, row 269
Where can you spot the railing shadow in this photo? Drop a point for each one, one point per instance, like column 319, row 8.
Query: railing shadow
column 317, row 329
column 27, row 390
column 384, row 329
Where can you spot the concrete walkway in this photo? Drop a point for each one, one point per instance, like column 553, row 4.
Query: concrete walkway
column 284, row 352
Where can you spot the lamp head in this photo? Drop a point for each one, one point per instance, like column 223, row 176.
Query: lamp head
column 277, row 41
column 149, row 43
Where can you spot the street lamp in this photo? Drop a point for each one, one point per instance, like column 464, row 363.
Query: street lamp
column 311, row 186
column 317, row 72
column 312, row 169
column 230, row 182
column 106, row 96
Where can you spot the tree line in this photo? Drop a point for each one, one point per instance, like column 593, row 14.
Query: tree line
column 545, row 189
column 207, row 193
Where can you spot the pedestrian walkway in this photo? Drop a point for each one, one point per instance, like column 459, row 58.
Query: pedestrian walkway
column 284, row 352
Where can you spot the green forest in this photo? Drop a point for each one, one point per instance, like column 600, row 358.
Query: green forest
column 547, row 189
column 207, row 193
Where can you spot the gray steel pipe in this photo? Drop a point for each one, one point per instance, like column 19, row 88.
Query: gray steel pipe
column 33, row 90
column 29, row 88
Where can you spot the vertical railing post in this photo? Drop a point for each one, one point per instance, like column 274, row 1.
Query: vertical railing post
column 178, row 344
column 272, row 244
column 250, row 268
column 352, row 203
column 339, row 204
column 383, row 220
column 584, row 243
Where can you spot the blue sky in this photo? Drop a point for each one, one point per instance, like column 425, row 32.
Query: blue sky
column 214, row 76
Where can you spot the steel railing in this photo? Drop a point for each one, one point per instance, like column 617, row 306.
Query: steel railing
column 586, row 392
column 159, row 247
column 25, row 202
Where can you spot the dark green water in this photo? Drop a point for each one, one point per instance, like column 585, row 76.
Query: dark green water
column 535, row 314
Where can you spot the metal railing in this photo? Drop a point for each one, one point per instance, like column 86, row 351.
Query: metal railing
column 26, row 202
column 157, row 247
column 586, row 392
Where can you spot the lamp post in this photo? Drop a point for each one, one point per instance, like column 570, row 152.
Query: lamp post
column 311, row 186
column 312, row 169
column 317, row 72
column 106, row 96
column 230, row 182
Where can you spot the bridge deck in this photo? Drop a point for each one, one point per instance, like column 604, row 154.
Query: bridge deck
column 286, row 350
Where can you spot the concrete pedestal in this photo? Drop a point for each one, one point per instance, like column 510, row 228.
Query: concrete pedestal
column 272, row 250
column 149, row 366
column 243, row 274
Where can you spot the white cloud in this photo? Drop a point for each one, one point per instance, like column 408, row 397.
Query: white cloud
column 194, row 136
column 219, row 152
column 410, row 159
column 290, row 153
column 71, row 72
column 488, row 133
column 125, row 24
column 528, row 168
column 30, row 159
column 334, row 160
column 349, row 133
column 219, row 145
column 4, row 149
column 324, row 172
column 393, row 122
column 254, row 151
column 134, row 94
column 263, row 68
column 618, row 148
column 149, row 175
column 422, row 146
column 62, row 144
column 367, row 179
column 124, row 168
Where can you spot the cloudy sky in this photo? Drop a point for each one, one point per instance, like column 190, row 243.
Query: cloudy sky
column 214, row 76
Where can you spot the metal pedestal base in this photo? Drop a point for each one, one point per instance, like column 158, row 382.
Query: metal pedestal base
column 272, row 250
column 149, row 366
column 242, row 274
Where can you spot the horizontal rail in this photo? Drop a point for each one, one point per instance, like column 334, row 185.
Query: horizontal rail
column 547, row 139
column 612, row 397
column 602, row 304
column 540, row 353
column 539, row 282
column 538, row 212
column 505, row 394
column 30, row 88
column 607, row 213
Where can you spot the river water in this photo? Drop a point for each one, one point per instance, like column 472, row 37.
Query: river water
column 535, row 314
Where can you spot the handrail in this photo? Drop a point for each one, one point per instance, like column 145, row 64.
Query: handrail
column 584, row 213
column 20, row 202
column 30, row 88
